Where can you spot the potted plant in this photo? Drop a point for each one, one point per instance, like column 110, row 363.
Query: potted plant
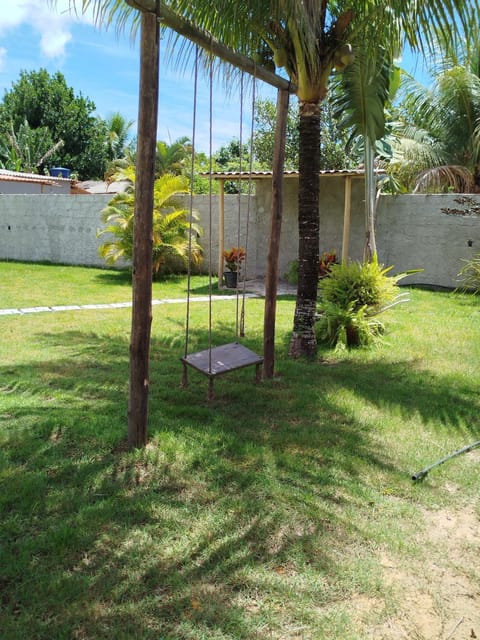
column 233, row 261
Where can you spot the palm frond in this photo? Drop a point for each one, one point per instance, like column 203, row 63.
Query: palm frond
column 446, row 178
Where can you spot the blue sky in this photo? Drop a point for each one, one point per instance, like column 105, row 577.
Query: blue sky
column 104, row 67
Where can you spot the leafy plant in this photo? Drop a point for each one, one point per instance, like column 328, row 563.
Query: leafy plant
column 234, row 258
column 171, row 227
column 351, row 296
column 470, row 275
column 327, row 259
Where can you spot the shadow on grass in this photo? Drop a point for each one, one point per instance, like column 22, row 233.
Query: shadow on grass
column 115, row 276
column 233, row 506
column 123, row 277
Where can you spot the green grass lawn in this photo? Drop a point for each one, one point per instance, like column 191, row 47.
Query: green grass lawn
column 275, row 512
column 34, row 285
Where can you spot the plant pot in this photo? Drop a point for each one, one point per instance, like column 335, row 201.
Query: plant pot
column 230, row 279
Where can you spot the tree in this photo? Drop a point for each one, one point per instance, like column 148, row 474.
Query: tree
column 27, row 149
column 171, row 227
column 438, row 146
column 333, row 138
column 362, row 93
column 264, row 135
column 173, row 158
column 308, row 39
column 47, row 101
column 117, row 131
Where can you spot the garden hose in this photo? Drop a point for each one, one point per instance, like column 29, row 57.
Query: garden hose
column 421, row 475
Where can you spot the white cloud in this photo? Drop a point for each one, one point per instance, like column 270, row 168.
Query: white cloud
column 3, row 55
column 51, row 20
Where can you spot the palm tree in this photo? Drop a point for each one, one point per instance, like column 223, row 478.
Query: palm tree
column 27, row 149
column 171, row 227
column 117, row 135
column 172, row 158
column 362, row 92
column 439, row 145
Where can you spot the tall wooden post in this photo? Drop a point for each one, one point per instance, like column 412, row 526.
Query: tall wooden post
column 346, row 218
column 143, row 232
column 271, row 281
column 221, row 232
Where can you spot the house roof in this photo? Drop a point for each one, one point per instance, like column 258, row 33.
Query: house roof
column 100, row 186
column 18, row 176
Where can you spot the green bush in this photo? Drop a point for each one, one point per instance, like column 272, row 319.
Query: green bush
column 350, row 298
column 470, row 275
column 172, row 247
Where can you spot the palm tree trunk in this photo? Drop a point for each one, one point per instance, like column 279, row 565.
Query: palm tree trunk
column 303, row 341
column 370, row 248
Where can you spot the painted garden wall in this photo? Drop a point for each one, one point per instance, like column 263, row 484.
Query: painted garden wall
column 432, row 232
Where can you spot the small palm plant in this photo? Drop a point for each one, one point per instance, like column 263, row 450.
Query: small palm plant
column 352, row 295
column 171, row 226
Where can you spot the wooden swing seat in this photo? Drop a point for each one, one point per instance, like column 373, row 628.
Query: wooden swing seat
column 219, row 360
column 225, row 358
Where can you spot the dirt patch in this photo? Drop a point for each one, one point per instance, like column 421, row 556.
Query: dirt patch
column 438, row 598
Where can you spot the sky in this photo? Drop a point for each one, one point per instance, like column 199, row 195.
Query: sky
column 104, row 66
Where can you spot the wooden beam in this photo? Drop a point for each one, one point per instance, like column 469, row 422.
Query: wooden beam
column 346, row 218
column 271, row 281
column 143, row 233
column 221, row 231
column 210, row 44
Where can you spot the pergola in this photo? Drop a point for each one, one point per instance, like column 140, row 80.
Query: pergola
column 347, row 174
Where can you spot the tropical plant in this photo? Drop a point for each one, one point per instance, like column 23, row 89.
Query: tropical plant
column 234, row 258
column 363, row 91
column 171, row 228
column 27, row 149
column 352, row 295
column 117, row 135
column 470, row 275
column 172, row 158
column 438, row 147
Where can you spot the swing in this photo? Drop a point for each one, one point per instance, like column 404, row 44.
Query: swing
column 215, row 361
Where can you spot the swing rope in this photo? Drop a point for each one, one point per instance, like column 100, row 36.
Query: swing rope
column 190, row 230
column 249, row 193
column 210, row 217
column 239, row 210
column 222, row 359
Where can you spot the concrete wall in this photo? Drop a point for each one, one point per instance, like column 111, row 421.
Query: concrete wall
column 413, row 231
column 433, row 232
column 55, row 228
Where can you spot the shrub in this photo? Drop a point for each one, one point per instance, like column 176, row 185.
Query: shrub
column 326, row 260
column 470, row 275
column 172, row 248
column 351, row 296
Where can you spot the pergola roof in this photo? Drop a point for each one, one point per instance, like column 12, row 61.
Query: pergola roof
column 262, row 175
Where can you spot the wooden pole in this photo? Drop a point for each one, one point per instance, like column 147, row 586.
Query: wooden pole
column 346, row 218
column 271, row 281
column 143, row 232
column 221, row 231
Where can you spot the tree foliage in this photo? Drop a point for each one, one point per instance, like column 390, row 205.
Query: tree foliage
column 46, row 101
column 171, row 227
column 438, row 137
